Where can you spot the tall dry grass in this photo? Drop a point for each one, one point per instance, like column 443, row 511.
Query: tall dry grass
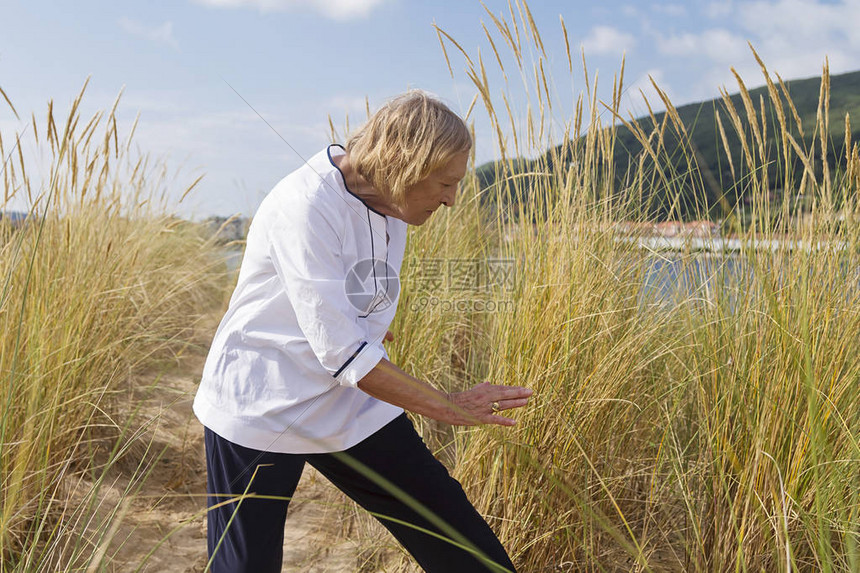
column 718, row 430
column 99, row 283
column 714, row 431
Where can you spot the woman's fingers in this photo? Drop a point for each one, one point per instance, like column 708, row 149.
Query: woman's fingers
column 503, row 405
column 482, row 403
column 506, row 398
column 511, row 403
column 389, row 336
column 513, row 396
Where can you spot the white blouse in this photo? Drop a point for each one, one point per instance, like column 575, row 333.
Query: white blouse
column 306, row 321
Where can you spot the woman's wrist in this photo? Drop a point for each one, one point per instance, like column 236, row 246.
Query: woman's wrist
column 389, row 383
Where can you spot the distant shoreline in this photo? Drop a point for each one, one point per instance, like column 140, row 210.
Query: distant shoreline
column 734, row 245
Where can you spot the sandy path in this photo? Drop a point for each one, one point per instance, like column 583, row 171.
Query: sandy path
column 169, row 507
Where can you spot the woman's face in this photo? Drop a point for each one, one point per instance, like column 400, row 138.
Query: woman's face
column 439, row 188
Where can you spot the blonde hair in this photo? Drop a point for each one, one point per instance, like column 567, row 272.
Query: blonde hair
column 405, row 141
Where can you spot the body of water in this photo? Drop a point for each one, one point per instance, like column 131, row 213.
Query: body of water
column 672, row 278
column 681, row 269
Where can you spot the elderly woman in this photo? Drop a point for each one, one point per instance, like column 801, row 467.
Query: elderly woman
column 297, row 371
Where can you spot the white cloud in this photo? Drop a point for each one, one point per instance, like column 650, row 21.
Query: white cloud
column 711, row 53
column 794, row 36
column 334, row 9
column 630, row 10
column 803, row 20
column 351, row 104
column 677, row 45
column 675, row 10
column 607, row 40
column 161, row 34
column 717, row 44
column 642, row 90
column 345, row 110
column 240, row 154
column 719, row 9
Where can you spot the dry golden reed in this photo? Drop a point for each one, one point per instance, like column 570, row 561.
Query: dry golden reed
column 99, row 284
column 715, row 431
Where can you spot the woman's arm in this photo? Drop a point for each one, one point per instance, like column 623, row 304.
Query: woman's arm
column 389, row 383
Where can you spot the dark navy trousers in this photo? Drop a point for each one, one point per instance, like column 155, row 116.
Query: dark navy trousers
column 391, row 474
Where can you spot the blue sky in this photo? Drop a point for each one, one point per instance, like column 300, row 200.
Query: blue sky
column 297, row 62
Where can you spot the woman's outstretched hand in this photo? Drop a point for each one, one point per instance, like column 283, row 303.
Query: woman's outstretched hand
column 483, row 403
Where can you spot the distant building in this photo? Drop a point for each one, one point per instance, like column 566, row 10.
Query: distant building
column 633, row 229
column 14, row 217
column 228, row 229
column 668, row 229
column 700, row 230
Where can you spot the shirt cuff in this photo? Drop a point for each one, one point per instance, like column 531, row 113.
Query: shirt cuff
column 357, row 367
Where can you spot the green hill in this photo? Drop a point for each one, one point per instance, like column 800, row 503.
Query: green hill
column 712, row 174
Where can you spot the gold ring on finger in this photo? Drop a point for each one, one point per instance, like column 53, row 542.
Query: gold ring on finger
column 495, row 406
